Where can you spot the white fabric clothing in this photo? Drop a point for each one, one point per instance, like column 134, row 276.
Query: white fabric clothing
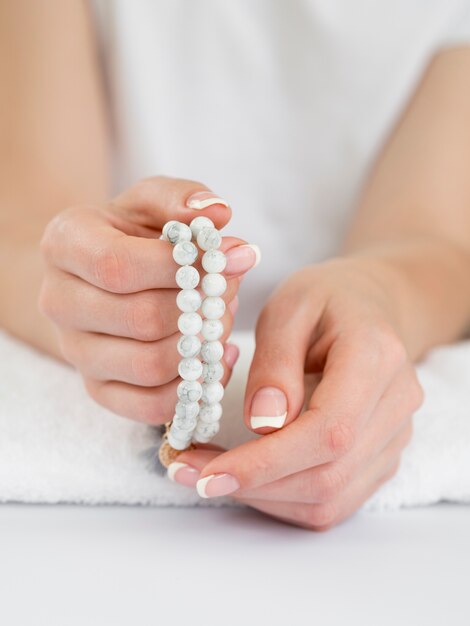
column 279, row 106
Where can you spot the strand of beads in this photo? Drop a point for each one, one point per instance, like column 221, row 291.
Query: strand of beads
column 213, row 307
column 194, row 421
column 188, row 302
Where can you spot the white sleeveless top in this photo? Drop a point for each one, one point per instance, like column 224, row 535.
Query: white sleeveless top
column 279, row 106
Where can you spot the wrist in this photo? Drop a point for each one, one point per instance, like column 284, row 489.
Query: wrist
column 424, row 288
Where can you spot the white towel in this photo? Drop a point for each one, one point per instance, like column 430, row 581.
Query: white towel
column 57, row 445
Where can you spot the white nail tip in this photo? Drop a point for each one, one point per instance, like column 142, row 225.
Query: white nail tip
column 256, row 250
column 173, row 468
column 271, row 421
column 203, row 204
column 201, row 485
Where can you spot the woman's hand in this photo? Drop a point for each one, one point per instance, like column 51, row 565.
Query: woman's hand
column 320, row 462
column 110, row 289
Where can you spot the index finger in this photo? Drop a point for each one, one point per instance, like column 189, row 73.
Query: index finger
column 355, row 377
column 82, row 242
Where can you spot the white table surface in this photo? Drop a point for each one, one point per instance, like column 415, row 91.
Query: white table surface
column 114, row 565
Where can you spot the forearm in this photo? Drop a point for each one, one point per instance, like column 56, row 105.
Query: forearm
column 411, row 229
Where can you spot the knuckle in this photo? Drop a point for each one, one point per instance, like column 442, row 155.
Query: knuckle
column 340, row 437
column 322, row 516
column 144, row 321
column 392, row 471
column 416, row 395
column 329, row 483
column 148, row 410
column 147, row 368
column 49, row 305
column 110, row 269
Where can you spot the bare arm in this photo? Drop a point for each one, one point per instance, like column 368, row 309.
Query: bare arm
column 413, row 219
column 53, row 144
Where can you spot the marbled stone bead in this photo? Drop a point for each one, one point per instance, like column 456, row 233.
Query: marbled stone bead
column 190, row 369
column 209, row 239
column 188, row 300
column 210, row 413
column 214, row 261
column 212, row 351
column 185, row 253
column 214, row 285
column 206, row 431
column 212, row 372
column 213, row 308
column 212, row 329
column 166, row 228
column 198, row 223
column 188, row 346
column 179, row 444
column 189, row 391
column 190, row 323
column 187, row 277
column 187, row 410
column 178, row 232
column 185, row 424
column 212, row 393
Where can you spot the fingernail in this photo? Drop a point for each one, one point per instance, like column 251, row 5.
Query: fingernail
column 217, row 485
column 268, row 408
column 183, row 474
column 233, row 305
column 242, row 258
column 203, row 199
column 231, row 354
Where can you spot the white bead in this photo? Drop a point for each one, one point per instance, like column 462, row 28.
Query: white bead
column 190, row 369
column 188, row 346
column 185, row 253
column 214, row 284
column 214, row 261
column 212, row 393
column 166, row 228
column 187, row 277
column 212, row 351
column 178, row 232
column 198, row 223
column 188, row 300
column 184, row 425
column 188, row 410
column 212, row 372
column 177, row 444
column 189, row 391
column 206, row 430
column 210, row 413
column 189, row 323
column 209, row 239
column 213, row 308
column 212, row 329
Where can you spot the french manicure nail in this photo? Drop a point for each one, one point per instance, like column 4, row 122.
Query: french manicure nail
column 183, row 474
column 231, row 354
column 268, row 408
column 242, row 258
column 217, row 485
column 203, row 199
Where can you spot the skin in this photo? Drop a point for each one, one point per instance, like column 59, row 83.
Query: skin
column 357, row 322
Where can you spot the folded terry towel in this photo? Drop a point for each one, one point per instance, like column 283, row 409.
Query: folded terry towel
column 57, row 445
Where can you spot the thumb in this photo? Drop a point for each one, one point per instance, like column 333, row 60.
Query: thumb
column 275, row 389
column 154, row 201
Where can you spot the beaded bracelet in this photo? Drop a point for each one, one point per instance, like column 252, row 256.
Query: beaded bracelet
column 198, row 409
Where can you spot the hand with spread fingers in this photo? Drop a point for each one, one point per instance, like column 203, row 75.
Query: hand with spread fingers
column 321, row 454
column 110, row 289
